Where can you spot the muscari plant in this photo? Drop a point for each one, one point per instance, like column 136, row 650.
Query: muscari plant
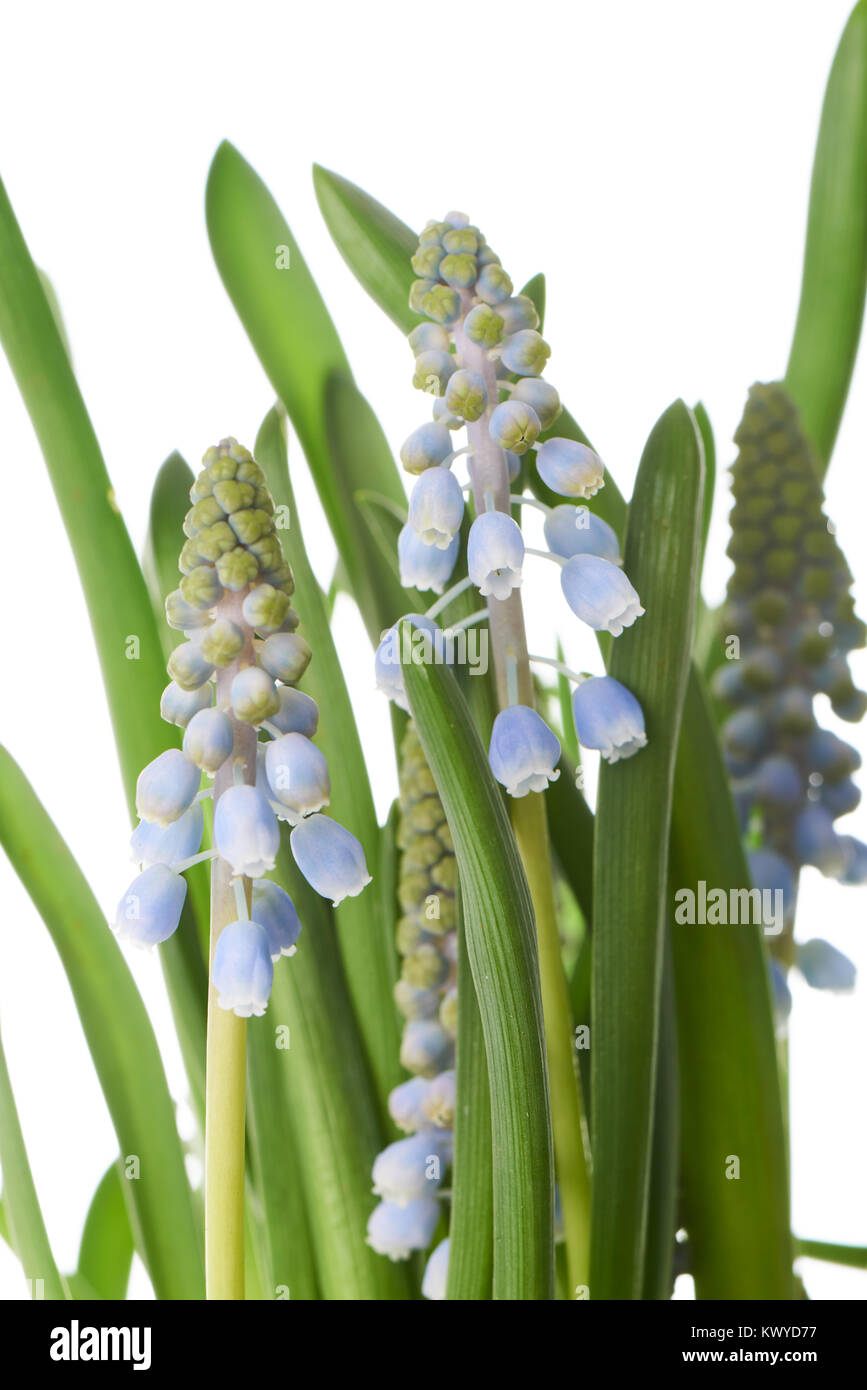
column 492, row 1067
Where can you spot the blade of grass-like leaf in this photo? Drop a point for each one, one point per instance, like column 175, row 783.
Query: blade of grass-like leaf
column 501, row 945
column 730, row 1094
column 366, row 934
column 631, row 841
column 118, row 1033
column 855, row 1256
column 27, row 1233
column 702, row 419
column 106, row 1251
column 297, row 344
column 665, row 1148
column 113, row 584
column 336, row 1123
column 834, row 280
column 375, row 244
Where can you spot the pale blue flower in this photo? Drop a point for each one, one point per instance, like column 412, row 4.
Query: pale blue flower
column 817, row 842
column 298, row 713
column 542, row 396
column 600, row 594
column 609, row 718
column 518, row 312
column 246, row 833
column 494, row 286
column 427, row 446
column 428, row 337
column 771, row 873
column 515, row 426
column 570, row 468
column 495, row 554
column 425, row 1047
column 525, row 352
column 438, row 1105
column 425, row 566
column 413, row 1002
column 209, row 739
column 405, row 1105
column 330, row 858
column 824, row 967
column 150, row 909
column 274, row 910
column 524, row 752
column 243, row 970
column 433, row 1285
column 297, row 774
column 411, row 1168
column 166, row 787
column 254, row 696
column 425, row 643
column 188, row 668
column 169, row 844
column 398, row 1231
column 840, row 798
column 578, row 531
column 436, row 507
column 778, row 782
column 781, row 997
column 178, row 706
column 285, row 656
column 854, row 867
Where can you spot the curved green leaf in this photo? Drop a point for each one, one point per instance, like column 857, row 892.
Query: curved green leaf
column 501, row 945
column 111, row 578
column 631, row 840
column 105, row 1255
column 834, row 280
column 375, row 244
column 118, row 1033
column 27, row 1234
column 730, row 1092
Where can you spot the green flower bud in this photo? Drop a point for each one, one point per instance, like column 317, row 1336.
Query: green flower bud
column 221, row 642
column 189, row 557
column 250, row 524
column 281, row 578
column 181, row 615
column 483, row 325
column 425, row 968
column 417, row 291
column 427, row 337
column 202, row 515
column 215, row 541
column 442, row 304
column 461, row 240
column 270, row 556
column 254, row 696
column 493, row 285
column 426, row 261
column 434, row 233
column 265, row 608
column 188, row 668
column 432, row 371
column 201, row 587
column 459, row 271
column 449, row 1013
column 237, row 568
column 232, row 495
column 466, row 395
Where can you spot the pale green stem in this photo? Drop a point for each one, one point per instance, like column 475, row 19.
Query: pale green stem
column 225, row 1092
column 489, row 475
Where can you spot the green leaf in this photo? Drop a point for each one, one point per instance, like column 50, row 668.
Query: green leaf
column 855, row 1256
column 501, row 945
column 471, row 1229
column 105, row 1255
column 375, row 244
column 118, row 1033
column 739, row 1236
column 663, row 1193
column 834, row 280
column 112, row 581
column 335, row 1118
column 702, row 419
column 631, row 839
column 27, row 1234
column 366, row 933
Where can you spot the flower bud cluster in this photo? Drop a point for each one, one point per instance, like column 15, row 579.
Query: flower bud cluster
column 233, row 693
column 408, row 1174
column 790, row 609
column 480, row 355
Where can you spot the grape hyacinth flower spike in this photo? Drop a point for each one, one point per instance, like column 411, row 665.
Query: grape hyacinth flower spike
column 245, row 725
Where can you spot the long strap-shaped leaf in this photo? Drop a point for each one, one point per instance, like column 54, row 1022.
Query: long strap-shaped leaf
column 834, row 280
column 501, row 945
column 118, row 1033
column 631, row 850
column 113, row 584
column 297, row 344
column 366, row 934
column 27, row 1233
column 730, row 1093
column 106, row 1250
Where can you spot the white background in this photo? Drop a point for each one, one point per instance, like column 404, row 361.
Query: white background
column 654, row 160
